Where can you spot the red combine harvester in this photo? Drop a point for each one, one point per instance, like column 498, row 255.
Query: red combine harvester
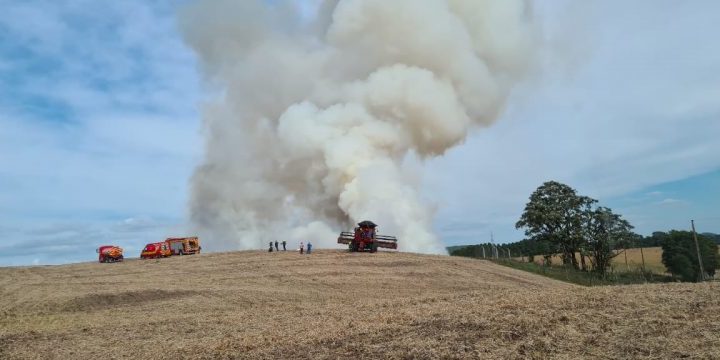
column 109, row 253
column 366, row 238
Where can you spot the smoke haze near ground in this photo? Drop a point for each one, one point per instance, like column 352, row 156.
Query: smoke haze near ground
column 316, row 124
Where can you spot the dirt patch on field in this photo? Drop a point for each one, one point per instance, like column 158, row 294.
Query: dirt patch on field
column 125, row 298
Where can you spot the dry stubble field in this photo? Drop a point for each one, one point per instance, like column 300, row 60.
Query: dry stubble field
column 652, row 256
column 333, row 304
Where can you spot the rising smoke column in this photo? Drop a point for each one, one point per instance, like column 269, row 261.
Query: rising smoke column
column 315, row 121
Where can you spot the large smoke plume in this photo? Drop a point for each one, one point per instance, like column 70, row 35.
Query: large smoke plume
column 316, row 119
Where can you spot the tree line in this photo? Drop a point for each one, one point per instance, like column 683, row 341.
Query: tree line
column 586, row 236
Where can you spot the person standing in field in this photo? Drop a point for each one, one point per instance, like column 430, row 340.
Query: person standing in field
column 276, row 246
column 270, row 249
column 302, row 248
column 284, row 243
column 309, row 248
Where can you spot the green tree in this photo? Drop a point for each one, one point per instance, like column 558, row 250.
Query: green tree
column 555, row 215
column 606, row 231
column 714, row 237
column 658, row 237
column 680, row 255
column 635, row 240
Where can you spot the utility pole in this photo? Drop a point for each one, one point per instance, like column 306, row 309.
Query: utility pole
column 626, row 262
column 483, row 248
column 643, row 258
column 494, row 248
column 697, row 248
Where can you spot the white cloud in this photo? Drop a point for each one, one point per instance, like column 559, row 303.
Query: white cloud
column 98, row 123
column 57, row 242
column 670, row 201
column 639, row 108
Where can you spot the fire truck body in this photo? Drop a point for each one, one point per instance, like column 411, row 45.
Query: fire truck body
column 109, row 253
column 184, row 246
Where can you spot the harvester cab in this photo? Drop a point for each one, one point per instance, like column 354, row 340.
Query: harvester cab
column 109, row 253
column 365, row 238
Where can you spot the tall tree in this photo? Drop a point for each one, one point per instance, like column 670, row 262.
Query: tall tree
column 606, row 231
column 556, row 214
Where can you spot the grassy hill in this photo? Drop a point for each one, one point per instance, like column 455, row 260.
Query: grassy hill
column 334, row 304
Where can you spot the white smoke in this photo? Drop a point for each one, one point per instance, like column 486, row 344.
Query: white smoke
column 315, row 121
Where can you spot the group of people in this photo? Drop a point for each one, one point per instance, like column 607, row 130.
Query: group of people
column 284, row 246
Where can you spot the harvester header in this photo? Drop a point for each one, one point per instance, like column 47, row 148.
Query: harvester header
column 365, row 238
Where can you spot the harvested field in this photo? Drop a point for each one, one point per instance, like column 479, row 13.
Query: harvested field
column 653, row 260
column 334, row 304
column 652, row 255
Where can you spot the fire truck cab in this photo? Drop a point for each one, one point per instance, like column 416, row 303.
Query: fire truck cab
column 155, row 250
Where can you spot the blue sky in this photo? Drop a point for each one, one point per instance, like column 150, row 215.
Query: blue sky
column 673, row 204
column 100, row 127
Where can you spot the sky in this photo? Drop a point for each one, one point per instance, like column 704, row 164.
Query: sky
column 100, row 128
